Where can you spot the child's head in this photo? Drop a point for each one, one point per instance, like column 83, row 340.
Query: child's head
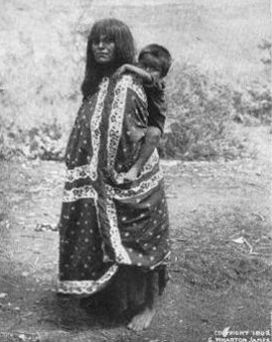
column 156, row 58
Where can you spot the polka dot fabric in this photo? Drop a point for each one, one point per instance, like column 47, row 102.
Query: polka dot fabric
column 106, row 223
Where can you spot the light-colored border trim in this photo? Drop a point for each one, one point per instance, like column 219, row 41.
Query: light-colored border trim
column 95, row 126
column 115, row 238
column 75, row 194
column 86, row 287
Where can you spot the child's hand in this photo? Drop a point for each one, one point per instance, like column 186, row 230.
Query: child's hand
column 131, row 175
column 120, row 70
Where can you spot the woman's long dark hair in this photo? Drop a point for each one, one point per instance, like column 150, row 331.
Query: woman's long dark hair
column 120, row 34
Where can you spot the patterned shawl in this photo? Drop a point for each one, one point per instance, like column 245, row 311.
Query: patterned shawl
column 105, row 221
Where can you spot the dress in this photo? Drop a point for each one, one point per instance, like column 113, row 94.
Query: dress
column 112, row 233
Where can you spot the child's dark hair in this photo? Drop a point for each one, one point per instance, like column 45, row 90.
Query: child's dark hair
column 120, row 34
column 156, row 56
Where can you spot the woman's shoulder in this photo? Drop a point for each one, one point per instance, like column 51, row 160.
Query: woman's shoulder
column 127, row 79
column 132, row 83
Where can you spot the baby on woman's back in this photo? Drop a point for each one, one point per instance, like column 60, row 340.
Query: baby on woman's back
column 154, row 62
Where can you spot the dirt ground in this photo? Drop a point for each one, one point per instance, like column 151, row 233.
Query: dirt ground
column 221, row 254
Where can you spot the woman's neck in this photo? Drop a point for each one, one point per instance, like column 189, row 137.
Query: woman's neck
column 106, row 69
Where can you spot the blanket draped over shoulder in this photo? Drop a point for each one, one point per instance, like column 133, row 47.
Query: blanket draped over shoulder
column 106, row 222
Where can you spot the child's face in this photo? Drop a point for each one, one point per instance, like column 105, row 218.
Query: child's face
column 150, row 69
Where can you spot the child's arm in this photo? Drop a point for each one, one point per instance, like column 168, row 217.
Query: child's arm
column 144, row 75
column 151, row 141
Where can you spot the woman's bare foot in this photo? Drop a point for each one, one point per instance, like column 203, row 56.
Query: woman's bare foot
column 142, row 320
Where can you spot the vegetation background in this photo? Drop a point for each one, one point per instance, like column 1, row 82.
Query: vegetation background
column 219, row 81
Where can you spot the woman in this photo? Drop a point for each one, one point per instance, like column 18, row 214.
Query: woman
column 113, row 234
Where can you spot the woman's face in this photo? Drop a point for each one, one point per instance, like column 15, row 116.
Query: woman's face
column 103, row 50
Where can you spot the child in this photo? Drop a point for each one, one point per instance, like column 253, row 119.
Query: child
column 154, row 62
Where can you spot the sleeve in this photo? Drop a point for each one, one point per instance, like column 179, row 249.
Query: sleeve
column 156, row 105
